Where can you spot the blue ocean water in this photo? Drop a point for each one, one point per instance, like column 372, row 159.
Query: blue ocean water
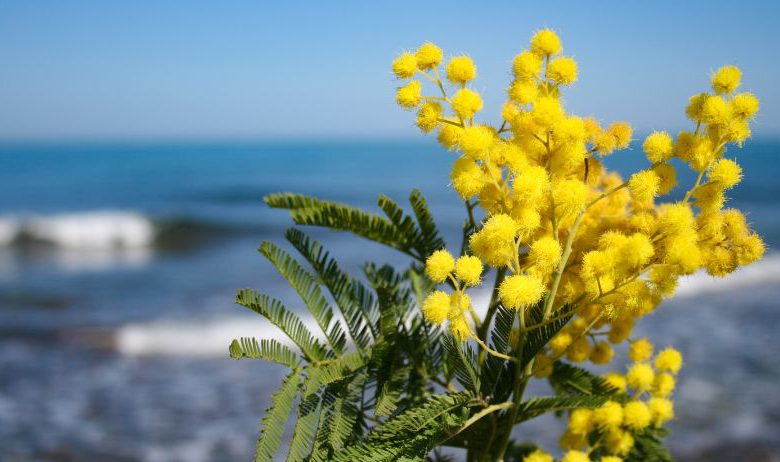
column 118, row 265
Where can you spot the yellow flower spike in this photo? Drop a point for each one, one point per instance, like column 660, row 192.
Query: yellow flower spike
column 428, row 56
column 538, row 456
column 659, row 147
column 744, row 106
column 726, row 173
column 726, row 79
column 608, row 416
column 636, row 415
column 640, row 350
column 546, row 43
column 405, row 66
column 428, row 116
column 562, row 70
column 602, row 353
column 526, row 65
column 575, row 456
column 468, row 269
column 410, row 95
column 436, row 307
column 466, row 103
column 640, row 377
column 669, row 360
column 461, row 70
column 439, row 265
column 520, row 291
column 644, row 186
column 661, row 409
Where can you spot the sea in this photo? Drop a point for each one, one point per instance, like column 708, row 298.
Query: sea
column 119, row 263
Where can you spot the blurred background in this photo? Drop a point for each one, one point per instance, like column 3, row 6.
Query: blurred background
column 136, row 142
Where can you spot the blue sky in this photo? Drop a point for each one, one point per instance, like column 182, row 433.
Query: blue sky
column 261, row 69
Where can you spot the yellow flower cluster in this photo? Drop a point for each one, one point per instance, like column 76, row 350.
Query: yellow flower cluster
column 647, row 388
column 570, row 236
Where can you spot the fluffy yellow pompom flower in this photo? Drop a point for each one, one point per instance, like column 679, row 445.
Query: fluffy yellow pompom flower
column 428, row 56
column 562, row 70
column 410, row 95
column 726, row 79
column 468, row 269
column 439, row 265
column 619, row 442
column 661, row 409
column 695, row 103
column 611, row 459
column 523, row 91
column 494, row 244
column 664, row 385
column 546, row 42
column 744, row 106
column 570, row 196
column 526, row 65
column 467, row 178
column 640, row 377
column 476, row 140
column 460, row 329
column 520, row 291
column 668, row 176
column 636, row 415
column 602, row 353
column 547, row 111
column 405, row 66
column 436, row 307
column 659, row 147
column 449, row 135
column 726, row 173
column 644, row 185
column 622, row 132
column 466, row 103
column 575, row 456
column 669, row 360
column 616, row 380
column 640, row 350
column 545, row 254
column 580, row 421
column 543, row 365
column 461, row 69
column 538, row 456
column 428, row 116
column 609, row 415
column 604, row 142
column 579, row 351
column 715, row 111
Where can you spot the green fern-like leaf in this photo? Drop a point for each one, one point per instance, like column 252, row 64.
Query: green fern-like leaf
column 309, row 291
column 288, row 322
column 267, row 349
column 568, row 379
column 542, row 405
column 272, row 424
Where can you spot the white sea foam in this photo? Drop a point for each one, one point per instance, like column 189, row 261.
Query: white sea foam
column 99, row 230
column 196, row 338
column 765, row 272
column 210, row 338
